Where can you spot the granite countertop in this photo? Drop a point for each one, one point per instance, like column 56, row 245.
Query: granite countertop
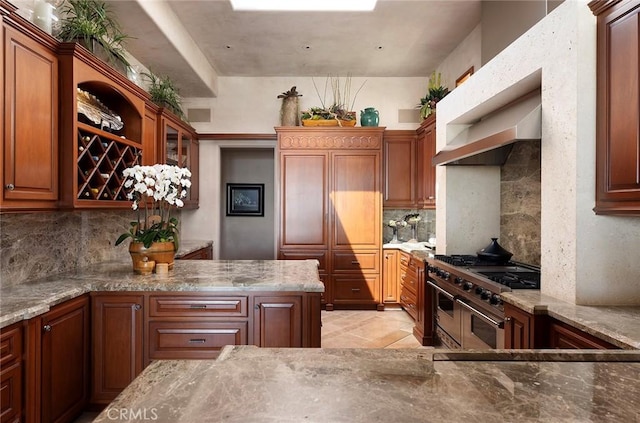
column 618, row 325
column 249, row 384
column 191, row 245
column 409, row 247
column 30, row 299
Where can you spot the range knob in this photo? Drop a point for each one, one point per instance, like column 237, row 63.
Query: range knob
column 467, row 286
column 479, row 290
column 486, row 295
column 458, row 280
column 495, row 299
column 445, row 275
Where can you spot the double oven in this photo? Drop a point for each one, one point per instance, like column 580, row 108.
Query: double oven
column 468, row 310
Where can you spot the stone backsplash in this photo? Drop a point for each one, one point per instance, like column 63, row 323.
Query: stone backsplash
column 34, row 245
column 426, row 227
column 520, row 203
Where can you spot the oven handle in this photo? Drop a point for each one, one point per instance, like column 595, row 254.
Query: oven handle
column 442, row 291
column 480, row 314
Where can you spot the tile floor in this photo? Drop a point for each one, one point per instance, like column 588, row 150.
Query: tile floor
column 368, row 329
column 355, row 329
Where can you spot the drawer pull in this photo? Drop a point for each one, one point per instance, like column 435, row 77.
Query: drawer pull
column 355, row 289
column 197, row 306
column 197, row 341
column 46, row 328
column 355, row 262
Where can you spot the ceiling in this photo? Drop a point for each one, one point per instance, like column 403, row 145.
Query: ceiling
column 193, row 42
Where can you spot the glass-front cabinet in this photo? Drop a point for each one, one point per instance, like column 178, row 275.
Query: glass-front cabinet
column 179, row 147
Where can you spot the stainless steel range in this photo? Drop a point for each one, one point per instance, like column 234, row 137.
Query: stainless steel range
column 468, row 310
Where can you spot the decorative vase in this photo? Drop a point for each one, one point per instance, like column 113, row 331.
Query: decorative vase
column 158, row 252
column 369, row 117
column 290, row 112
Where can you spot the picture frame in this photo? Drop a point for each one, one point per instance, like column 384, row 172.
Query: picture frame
column 245, row 199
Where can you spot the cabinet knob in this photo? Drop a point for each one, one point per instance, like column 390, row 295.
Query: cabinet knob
column 137, row 307
column 508, row 319
column 46, row 328
column 257, row 306
column 10, row 187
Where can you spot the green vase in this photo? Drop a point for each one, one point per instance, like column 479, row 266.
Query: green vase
column 369, row 117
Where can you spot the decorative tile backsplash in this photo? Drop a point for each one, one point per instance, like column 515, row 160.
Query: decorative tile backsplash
column 426, row 227
column 34, row 245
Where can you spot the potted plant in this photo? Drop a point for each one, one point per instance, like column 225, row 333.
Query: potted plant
column 340, row 112
column 164, row 93
column 90, row 23
column 435, row 93
column 155, row 190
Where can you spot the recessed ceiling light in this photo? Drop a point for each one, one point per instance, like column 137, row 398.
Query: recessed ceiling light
column 299, row 5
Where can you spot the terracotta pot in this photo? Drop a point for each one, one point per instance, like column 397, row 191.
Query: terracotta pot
column 158, row 252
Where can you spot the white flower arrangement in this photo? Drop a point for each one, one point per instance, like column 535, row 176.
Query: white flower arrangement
column 412, row 219
column 397, row 223
column 156, row 190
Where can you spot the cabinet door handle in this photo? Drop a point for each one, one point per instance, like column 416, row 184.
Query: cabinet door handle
column 46, row 328
column 257, row 307
column 355, row 262
column 137, row 307
column 355, row 289
column 10, row 187
column 197, row 341
column 197, row 306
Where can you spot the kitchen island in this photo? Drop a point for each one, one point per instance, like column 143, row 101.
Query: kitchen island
column 248, row 384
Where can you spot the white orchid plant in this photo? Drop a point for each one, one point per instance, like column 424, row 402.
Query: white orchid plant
column 156, row 190
column 397, row 223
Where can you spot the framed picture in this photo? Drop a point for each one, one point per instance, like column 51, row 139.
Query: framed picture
column 245, row 199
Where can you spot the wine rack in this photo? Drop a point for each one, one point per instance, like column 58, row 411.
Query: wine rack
column 102, row 157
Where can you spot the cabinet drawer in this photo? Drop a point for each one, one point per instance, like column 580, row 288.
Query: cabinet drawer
column 11, row 393
column 409, row 280
column 10, row 344
column 356, row 261
column 407, row 261
column 320, row 255
column 362, row 290
column 201, row 306
column 408, row 300
column 187, row 340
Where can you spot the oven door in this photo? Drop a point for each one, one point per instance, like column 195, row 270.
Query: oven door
column 447, row 312
column 480, row 330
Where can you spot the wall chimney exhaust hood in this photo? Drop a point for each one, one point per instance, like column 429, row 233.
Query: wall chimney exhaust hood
column 490, row 140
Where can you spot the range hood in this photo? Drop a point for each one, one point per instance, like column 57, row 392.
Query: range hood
column 490, row 140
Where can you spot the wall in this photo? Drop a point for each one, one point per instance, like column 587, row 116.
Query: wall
column 248, row 237
column 466, row 55
column 585, row 259
column 34, row 245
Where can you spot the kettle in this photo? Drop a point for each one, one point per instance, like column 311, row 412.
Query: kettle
column 369, row 117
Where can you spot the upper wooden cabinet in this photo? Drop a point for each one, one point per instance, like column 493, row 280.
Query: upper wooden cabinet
column 94, row 154
column 30, row 119
column 409, row 176
column 618, row 99
column 425, row 150
column 400, row 177
column 179, row 146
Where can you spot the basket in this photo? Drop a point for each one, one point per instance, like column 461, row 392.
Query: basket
column 319, row 122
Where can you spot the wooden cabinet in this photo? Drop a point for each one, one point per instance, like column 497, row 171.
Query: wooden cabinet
column 518, row 329
column 205, row 253
column 277, row 321
column 11, row 368
column 424, row 330
column 425, row 150
column 179, row 146
column 117, row 343
column 400, row 173
column 390, row 286
column 93, row 153
column 563, row 336
column 65, row 360
column 30, row 120
column 331, row 207
column 618, row 99
column 408, row 279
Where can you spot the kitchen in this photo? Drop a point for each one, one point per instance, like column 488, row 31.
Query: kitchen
column 578, row 249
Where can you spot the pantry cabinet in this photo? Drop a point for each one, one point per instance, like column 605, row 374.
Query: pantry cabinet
column 29, row 119
column 331, row 206
column 618, row 99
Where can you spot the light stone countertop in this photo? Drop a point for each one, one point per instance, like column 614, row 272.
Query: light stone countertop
column 250, row 384
column 26, row 300
column 409, row 247
column 618, row 325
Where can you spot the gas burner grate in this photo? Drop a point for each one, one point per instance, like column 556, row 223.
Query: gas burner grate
column 515, row 280
column 463, row 260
